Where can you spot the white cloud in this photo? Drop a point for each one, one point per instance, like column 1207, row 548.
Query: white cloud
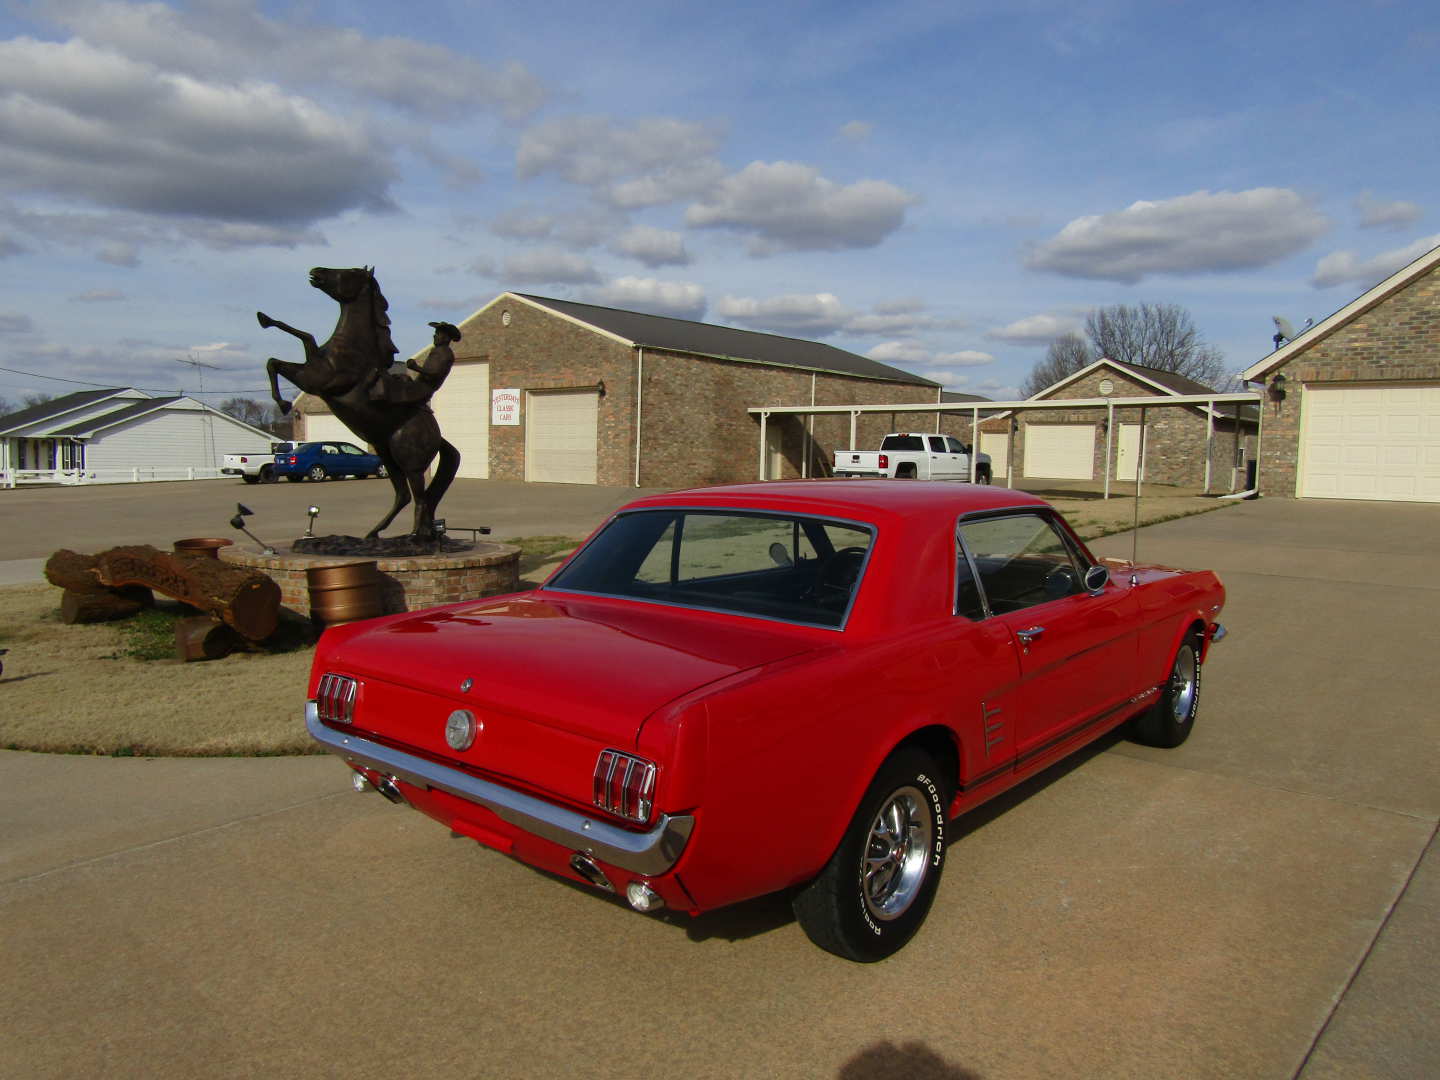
column 857, row 130
column 548, row 266
column 1203, row 232
column 653, row 247
column 523, row 223
column 582, row 227
column 91, row 125
column 815, row 314
column 677, row 299
column 99, row 296
column 787, row 206
column 654, row 161
column 914, row 354
column 119, row 253
column 10, row 246
column 236, row 42
column 1387, row 214
column 1347, row 268
column 12, row 322
column 233, row 235
column 1036, row 329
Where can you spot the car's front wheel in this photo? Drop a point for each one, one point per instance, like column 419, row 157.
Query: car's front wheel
column 878, row 886
column 1169, row 721
column 316, row 472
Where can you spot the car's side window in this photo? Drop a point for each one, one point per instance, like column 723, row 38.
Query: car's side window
column 968, row 601
column 1022, row 560
column 937, row 444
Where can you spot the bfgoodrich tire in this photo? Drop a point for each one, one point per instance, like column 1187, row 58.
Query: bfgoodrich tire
column 878, row 886
column 317, row 472
column 1169, row 721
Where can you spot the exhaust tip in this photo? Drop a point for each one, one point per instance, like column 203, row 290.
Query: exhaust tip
column 387, row 786
column 642, row 897
column 360, row 782
column 586, row 866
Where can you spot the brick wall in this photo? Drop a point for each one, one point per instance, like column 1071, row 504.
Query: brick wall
column 1397, row 340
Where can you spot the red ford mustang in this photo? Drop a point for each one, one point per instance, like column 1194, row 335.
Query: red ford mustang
column 731, row 691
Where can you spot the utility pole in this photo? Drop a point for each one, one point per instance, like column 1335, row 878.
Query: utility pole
column 200, row 367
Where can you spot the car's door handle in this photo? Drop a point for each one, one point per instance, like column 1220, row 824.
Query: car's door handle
column 1029, row 634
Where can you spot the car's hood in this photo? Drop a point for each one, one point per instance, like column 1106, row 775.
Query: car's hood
column 592, row 667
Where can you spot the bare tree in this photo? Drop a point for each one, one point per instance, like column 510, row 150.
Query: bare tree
column 32, row 400
column 7, row 407
column 1066, row 355
column 1160, row 336
column 258, row 414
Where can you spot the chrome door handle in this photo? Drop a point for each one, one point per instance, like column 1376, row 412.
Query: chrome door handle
column 1029, row 634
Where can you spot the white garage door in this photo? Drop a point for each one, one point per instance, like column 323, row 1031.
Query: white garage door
column 1060, row 451
column 1370, row 442
column 997, row 445
column 462, row 408
column 562, row 436
column 320, row 427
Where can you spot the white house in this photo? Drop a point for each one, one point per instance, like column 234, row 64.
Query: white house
column 120, row 435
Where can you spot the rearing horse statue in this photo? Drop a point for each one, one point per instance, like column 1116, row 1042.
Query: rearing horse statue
column 341, row 373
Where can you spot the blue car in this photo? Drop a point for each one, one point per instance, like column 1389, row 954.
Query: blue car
column 322, row 460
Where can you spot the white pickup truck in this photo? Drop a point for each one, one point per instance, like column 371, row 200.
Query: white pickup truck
column 251, row 467
column 910, row 455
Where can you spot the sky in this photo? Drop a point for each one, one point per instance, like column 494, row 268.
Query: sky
column 944, row 187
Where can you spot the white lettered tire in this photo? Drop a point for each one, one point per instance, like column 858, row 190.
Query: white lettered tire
column 874, row 893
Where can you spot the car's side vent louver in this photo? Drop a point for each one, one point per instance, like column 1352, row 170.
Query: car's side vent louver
column 624, row 785
column 335, row 698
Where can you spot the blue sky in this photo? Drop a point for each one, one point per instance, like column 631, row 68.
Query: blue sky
column 941, row 186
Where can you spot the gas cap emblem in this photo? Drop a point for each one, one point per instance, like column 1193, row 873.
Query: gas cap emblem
column 461, row 728
column 465, row 685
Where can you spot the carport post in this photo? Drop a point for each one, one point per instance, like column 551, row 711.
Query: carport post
column 763, row 417
column 1109, row 442
column 1209, row 442
column 975, row 443
column 854, row 416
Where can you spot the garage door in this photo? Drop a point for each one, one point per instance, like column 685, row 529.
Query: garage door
column 1060, row 451
column 320, row 427
column 997, row 445
column 1370, row 442
column 562, row 436
column 462, row 408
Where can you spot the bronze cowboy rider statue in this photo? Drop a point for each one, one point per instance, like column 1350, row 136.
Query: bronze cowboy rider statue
column 424, row 378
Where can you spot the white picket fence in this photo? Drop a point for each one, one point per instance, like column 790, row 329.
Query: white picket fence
column 10, row 478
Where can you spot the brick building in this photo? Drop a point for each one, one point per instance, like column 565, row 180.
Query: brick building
column 558, row 391
column 1352, row 405
column 1059, row 444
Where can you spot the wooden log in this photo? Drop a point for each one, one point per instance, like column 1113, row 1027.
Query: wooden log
column 204, row 637
column 68, row 569
column 99, row 606
column 246, row 600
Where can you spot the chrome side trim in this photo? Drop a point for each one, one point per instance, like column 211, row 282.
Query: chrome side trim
column 650, row 853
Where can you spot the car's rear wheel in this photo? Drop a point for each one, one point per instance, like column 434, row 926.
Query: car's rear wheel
column 267, row 474
column 905, row 472
column 1169, row 721
column 316, row 472
column 982, row 474
column 878, row 886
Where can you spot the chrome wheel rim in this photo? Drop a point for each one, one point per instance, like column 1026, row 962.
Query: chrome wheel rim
column 897, row 853
column 1182, row 684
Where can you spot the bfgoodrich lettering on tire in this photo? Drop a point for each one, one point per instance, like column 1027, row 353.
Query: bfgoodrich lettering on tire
column 878, row 886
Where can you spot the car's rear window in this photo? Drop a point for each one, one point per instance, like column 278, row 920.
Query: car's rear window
column 772, row 566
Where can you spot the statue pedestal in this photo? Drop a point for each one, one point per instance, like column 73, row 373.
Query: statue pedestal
column 407, row 582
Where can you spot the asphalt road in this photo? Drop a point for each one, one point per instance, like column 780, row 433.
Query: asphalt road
column 1258, row 903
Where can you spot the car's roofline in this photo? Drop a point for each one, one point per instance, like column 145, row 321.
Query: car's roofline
column 863, row 499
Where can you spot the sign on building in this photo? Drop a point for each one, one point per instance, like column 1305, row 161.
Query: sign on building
column 505, row 407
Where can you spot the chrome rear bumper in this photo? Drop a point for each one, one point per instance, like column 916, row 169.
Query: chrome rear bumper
column 648, row 853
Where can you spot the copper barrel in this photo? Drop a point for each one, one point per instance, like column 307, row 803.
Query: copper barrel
column 202, row 545
column 344, row 592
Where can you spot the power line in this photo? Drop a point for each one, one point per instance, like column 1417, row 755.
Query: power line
column 148, row 389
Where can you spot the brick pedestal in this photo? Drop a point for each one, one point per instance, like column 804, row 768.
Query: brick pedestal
column 407, row 583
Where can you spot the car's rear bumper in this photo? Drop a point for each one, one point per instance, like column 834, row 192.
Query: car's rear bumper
column 648, row 853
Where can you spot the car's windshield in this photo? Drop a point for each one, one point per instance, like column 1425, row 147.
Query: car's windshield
column 772, row 566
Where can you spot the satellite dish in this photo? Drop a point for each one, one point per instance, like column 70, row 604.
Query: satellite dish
column 1285, row 329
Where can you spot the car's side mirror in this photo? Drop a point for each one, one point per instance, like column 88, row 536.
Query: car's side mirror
column 779, row 555
column 1096, row 578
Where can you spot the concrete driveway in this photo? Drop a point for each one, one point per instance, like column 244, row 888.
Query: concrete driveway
column 1257, row 903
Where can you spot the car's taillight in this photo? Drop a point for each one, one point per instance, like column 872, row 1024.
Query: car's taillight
column 243, row 459
column 624, row 785
column 884, row 461
column 335, row 698
column 293, row 459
